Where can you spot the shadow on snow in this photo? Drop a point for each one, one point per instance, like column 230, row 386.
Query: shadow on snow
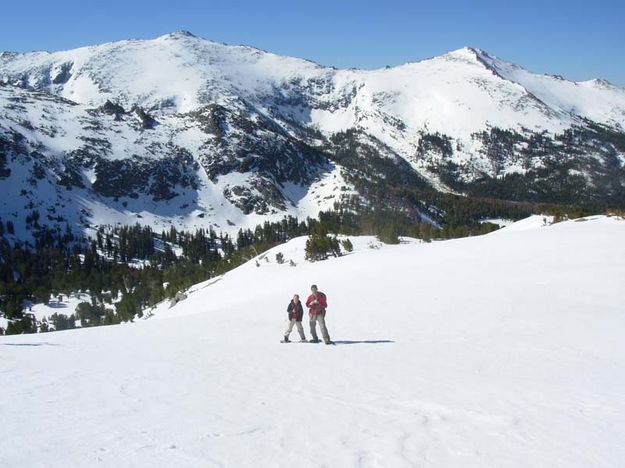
column 346, row 342
column 29, row 344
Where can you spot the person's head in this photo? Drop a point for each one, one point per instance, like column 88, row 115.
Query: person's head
column 314, row 289
column 296, row 298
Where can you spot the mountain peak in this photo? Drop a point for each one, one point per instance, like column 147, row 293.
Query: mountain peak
column 466, row 53
column 602, row 83
column 181, row 33
column 178, row 35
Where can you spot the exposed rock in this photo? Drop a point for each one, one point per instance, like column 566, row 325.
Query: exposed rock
column 112, row 108
column 146, row 120
column 63, row 74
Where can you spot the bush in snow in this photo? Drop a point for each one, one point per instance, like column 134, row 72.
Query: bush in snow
column 320, row 247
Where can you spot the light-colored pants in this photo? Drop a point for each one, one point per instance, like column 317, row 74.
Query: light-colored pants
column 321, row 318
column 289, row 328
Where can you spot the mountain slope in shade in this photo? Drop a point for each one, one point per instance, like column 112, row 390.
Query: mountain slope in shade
column 95, row 166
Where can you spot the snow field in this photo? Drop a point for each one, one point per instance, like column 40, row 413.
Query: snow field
column 499, row 350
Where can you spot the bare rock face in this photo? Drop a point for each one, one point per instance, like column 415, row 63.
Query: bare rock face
column 113, row 109
column 146, row 121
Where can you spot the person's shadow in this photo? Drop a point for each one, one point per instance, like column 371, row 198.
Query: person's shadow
column 29, row 344
column 345, row 342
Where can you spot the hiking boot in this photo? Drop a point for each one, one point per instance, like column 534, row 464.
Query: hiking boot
column 314, row 340
column 286, row 339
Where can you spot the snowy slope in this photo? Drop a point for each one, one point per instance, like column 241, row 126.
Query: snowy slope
column 595, row 99
column 501, row 350
column 173, row 72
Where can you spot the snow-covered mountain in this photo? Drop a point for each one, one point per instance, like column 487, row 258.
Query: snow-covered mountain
column 192, row 132
column 521, row 365
column 457, row 93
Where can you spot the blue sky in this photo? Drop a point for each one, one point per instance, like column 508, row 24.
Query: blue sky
column 579, row 40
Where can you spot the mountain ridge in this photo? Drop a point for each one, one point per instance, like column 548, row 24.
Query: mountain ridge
column 189, row 34
column 55, row 71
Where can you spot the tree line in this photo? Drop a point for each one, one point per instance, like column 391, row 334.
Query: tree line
column 128, row 269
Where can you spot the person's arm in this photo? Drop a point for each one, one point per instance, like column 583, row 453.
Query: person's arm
column 309, row 300
column 323, row 303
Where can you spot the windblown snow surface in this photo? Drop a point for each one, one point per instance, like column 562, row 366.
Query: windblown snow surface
column 504, row 350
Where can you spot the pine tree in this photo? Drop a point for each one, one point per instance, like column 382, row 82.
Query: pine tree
column 347, row 245
column 388, row 234
column 321, row 246
column 26, row 324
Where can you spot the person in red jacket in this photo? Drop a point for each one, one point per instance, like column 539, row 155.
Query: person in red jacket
column 317, row 304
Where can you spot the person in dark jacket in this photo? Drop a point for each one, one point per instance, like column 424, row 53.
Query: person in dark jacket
column 317, row 303
column 296, row 313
